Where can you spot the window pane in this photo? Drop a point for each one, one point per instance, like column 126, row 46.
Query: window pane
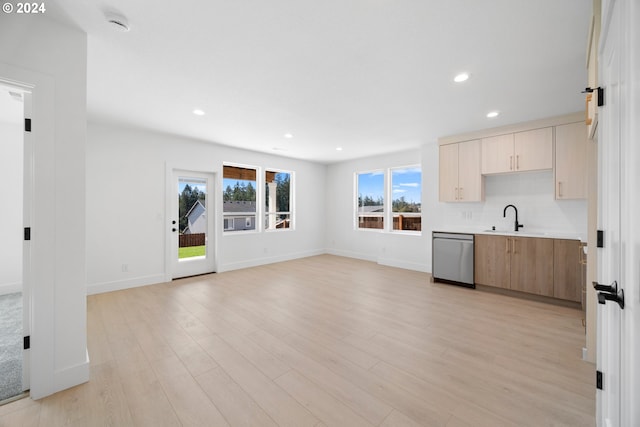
column 371, row 200
column 239, row 198
column 406, row 184
column 277, row 200
column 192, row 213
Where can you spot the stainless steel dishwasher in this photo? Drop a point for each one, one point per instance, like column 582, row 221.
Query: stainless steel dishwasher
column 453, row 258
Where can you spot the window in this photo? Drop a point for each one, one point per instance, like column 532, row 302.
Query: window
column 406, row 196
column 277, row 200
column 239, row 198
column 370, row 200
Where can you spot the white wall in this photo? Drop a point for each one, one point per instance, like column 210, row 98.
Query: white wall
column 532, row 193
column 126, row 192
column 397, row 249
column 11, row 211
column 52, row 59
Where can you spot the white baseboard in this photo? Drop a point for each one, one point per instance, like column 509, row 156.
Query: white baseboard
column 268, row 260
column 118, row 285
column 403, row 264
column 389, row 262
column 10, row 288
column 349, row 254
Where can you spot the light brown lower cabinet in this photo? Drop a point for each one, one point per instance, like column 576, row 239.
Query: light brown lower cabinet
column 567, row 270
column 492, row 264
column 540, row 266
column 532, row 265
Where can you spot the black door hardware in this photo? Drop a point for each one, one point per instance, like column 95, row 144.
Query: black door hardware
column 173, row 229
column 612, row 289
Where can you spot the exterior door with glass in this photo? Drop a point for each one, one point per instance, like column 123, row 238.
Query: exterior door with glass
column 191, row 225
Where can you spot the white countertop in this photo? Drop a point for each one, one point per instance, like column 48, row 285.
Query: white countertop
column 527, row 233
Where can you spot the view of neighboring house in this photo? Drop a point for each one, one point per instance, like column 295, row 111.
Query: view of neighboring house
column 239, row 215
column 196, row 219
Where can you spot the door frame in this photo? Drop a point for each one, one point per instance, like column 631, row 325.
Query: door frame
column 170, row 167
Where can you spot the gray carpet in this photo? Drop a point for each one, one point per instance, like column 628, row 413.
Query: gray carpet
column 10, row 345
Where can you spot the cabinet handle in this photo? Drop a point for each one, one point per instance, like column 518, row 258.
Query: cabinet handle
column 506, row 246
column 510, row 163
column 560, row 189
column 460, row 192
column 518, row 162
column 514, row 246
column 456, row 190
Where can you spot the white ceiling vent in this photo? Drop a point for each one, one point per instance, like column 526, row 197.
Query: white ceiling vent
column 117, row 21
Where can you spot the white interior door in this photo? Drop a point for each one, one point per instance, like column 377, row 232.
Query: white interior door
column 613, row 209
column 192, row 223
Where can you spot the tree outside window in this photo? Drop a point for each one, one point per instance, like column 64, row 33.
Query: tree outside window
column 406, row 205
column 370, row 200
column 277, row 200
column 239, row 198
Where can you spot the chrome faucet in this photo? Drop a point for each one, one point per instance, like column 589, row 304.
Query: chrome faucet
column 504, row 215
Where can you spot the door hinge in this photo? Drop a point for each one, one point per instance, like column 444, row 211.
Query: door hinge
column 27, row 125
column 27, row 233
column 600, row 96
column 599, row 380
column 26, row 342
column 600, row 239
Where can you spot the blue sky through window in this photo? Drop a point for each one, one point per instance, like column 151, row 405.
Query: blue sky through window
column 407, row 183
column 371, row 185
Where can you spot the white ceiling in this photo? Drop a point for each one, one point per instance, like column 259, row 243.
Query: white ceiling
column 370, row 76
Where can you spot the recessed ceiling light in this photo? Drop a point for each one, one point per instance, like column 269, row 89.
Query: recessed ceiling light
column 338, row 148
column 461, row 77
column 493, row 114
column 198, row 112
column 288, row 135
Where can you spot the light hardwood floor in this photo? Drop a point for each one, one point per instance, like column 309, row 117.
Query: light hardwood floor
column 323, row 341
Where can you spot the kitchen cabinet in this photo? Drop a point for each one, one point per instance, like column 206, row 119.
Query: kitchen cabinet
column 571, row 162
column 567, row 269
column 460, row 179
column 518, row 152
column 524, row 264
column 532, row 265
column 497, row 154
column 492, row 264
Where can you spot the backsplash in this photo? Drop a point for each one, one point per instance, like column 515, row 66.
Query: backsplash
column 532, row 193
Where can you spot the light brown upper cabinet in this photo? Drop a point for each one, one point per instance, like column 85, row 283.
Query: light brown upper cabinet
column 460, row 177
column 571, row 162
column 518, row 152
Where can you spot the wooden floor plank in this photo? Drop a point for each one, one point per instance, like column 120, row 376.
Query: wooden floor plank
column 323, row 341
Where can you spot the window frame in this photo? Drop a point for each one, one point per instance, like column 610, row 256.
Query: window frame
column 390, row 197
column 234, row 231
column 291, row 211
column 383, row 214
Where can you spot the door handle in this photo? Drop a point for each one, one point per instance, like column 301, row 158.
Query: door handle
column 611, row 289
column 618, row 297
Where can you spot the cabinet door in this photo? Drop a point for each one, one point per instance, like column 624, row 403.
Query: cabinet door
column 566, row 270
column 571, row 161
column 533, row 149
column 469, row 175
column 497, row 154
column 448, row 171
column 491, row 265
column 532, row 265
